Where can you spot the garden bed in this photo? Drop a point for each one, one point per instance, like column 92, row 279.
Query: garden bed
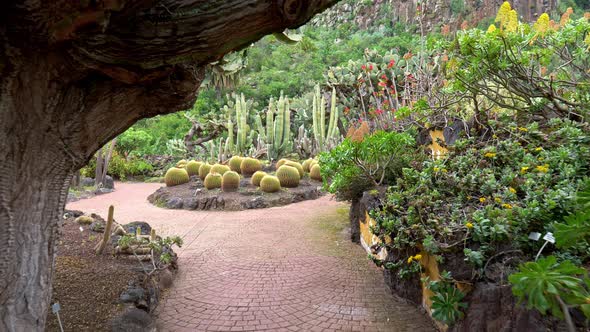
column 99, row 292
column 193, row 196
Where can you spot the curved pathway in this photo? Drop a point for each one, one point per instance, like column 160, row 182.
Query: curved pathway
column 288, row 268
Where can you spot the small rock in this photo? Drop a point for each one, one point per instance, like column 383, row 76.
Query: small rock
column 191, row 203
column 72, row 213
column 86, row 182
column 108, row 183
column 133, row 320
column 132, row 294
column 101, row 191
column 166, row 279
column 84, row 220
column 131, row 227
column 174, row 203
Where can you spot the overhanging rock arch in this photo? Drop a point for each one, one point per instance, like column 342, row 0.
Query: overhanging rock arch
column 75, row 74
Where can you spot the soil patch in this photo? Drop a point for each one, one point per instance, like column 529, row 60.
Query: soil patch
column 193, row 196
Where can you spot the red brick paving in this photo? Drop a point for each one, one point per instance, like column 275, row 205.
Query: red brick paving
column 278, row 269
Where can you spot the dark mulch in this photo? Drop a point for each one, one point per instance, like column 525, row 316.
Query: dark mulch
column 87, row 286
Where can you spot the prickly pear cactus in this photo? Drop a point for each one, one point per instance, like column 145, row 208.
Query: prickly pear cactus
column 235, row 162
column 230, row 181
column 213, row 181
column 250, row 166
column 256, row 177
column 176, row 176
column 221, row 169
column 288, row 176
column 192, row 167
column 315, row 172
column 204, row 170
column 270, row 184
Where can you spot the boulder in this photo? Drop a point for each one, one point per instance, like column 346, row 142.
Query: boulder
column 131, row 227
column 133, row 320
column 86, row 182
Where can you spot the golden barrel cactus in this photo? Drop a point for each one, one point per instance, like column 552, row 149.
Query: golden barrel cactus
column 250, row 166
column 230, row 181
column 256, row 177
column 270, row 184
column 221, row 169
column 213, row 181
column 288, row 176
column 315, row 173
column 204, row 170
column 192, row 167
column 175, row 176
column 235, row 163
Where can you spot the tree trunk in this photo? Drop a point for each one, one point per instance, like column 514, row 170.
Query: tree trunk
column 74, row 75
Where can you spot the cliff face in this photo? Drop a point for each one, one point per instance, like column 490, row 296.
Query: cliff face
column 374, row 13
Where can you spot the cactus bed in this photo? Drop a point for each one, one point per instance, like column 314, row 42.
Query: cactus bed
column 193, row 196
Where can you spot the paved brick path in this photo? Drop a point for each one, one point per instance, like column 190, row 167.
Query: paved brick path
column 281, row 269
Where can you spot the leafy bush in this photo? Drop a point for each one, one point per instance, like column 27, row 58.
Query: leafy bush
column 357, row 165
column 120, row 168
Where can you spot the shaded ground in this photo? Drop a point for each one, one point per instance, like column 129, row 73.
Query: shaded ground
column 86, row 286
column 287, row 268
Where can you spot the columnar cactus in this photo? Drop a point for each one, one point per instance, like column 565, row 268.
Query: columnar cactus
column 230, row 181
column 322, row 138
column 249, row 166
column 297, row 166
column 288, row 176
column 306, row 165
column 221, row 169
column 256, row 177
column 175, row 176
column 204, row 170
column 192, row 167
column 235, row 163
column 278, row 128
column 315, row 172
column 270, row 184
column 213, row 181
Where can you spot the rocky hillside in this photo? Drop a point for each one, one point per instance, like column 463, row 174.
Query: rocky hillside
column 374, row 14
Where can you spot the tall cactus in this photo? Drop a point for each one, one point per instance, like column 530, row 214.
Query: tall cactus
column 242, row 113
column 324, row 139
column 278, row 130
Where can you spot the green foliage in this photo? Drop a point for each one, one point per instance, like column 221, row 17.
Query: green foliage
column 354, row 167
column 120, row 167
column 542, row 284
column 249, row 166
column 447, row 300
column 213, row 181
column 133, row 142
column 288, row 176
column 257, row 177
column 270, row 184
column 176, row 176
column 230, row 181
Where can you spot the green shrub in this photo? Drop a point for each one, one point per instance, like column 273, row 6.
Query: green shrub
column 120, row 168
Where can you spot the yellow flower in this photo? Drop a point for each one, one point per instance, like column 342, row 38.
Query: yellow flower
column 540, row 159
column 410, row 259
column 523, row 169
column 539, row 149
column 512, row 190
column 543, row 168
column 418, row 257
column 469, row 197
column 494, row 136
column 497, row 199
column 490, row 154
column 491, row 28
column 436, row 169
column 482, row 199
column 469, row 225
column 523, row 129
column 507, row 206
column 444, row 170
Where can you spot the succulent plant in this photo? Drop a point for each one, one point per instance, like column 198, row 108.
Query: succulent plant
column 218, row 168
column 256, row 177
column 270, row 184
column 297, row 166
column 306, row 165
column 204, row 170
column 175, row 176
column 235, row 162
column 315, row 173
column 230, row 181
column 281, row 162
column 288, row 176
column 250, row 166
column 213, row 180
column 84, row 220
column 181, row 163
column 192, row 167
